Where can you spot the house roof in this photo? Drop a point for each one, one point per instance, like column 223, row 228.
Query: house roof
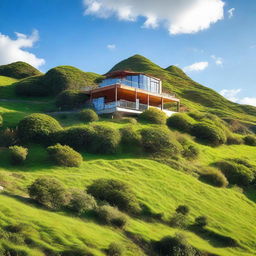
column 123, row 73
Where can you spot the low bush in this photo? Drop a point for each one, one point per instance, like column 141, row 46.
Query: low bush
column 18, row 154
column 88, row 115
column 8, row 137
column 208, row 134
column 183, row 209
column 198, row 116
column 76, row 252
column 180, row 122
column 105, row 140
column 80, row 202
column 130, row 137
column 190, row 149
column 237, row 127
column 37, row 128
column 111, row 216
column 236, row 173
column 65, row 156
column 159, row 140
column 48, row 192
column 153, row 115
column 201, row 221
column 233, row 139
column 116, row 193
column 1, row 120
column 214, row 177
column 250, row 140
column 115, row 249
column 178, row 220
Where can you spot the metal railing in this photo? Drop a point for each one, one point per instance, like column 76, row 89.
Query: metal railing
column 126, row 104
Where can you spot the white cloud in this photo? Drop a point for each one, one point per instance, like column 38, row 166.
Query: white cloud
column 12, row 50
column 218, row 60
column 111, row 46
column 178, row 16
column 248, row 101
column 231, row 12
column 198, row 66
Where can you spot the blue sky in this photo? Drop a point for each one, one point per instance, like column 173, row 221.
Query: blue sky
column 214, row 40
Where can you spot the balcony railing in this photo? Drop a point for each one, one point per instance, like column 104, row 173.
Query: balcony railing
column 126, row 104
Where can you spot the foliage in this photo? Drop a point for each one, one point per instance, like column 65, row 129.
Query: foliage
column 116, row 193
column 48, row 192
column 130, row 136
column 180, row 122
column 80, row 202
column 237, row 127
column 1, row 120
column 214, row 177
column 115, row 249
column 65, row 155
column 88, row 115
column 18, row 154
column 37, row 128
column 233, row 139
column 8, row 137
column 201, row 221
column 153, row 115
column 178, row 220
column 112, row 216
column 183, row 209
column 250, row 140
column 190, row 149
column 208, row 133
column 18, row 70
column 76, row 252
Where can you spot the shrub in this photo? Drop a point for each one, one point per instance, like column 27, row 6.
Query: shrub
column 115, row 249
column 129, row 136
column 250, row 140
column 198, row 116
column 65, row 156
column 80, row 202
column 178, row 220
column 233, row 139
column 111, row 216
column 76, row 252
column 48, row 192
column 190, row 149
column 18, row 154
column 236, row 173
column 1, row 120
column 201, row 221
column 159, row 140
column 75, row 137
column 71, row 99
column 105, row 140
column 8, row 137
column 214, row 177
column 238, row 127
column 180, row 122
column 183, row 209
column 208, row 134
column 88, row 115
column 153, row 115
column 116, row 193
column 37, row 128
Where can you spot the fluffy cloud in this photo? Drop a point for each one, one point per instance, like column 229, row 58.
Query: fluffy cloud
column 198, row 66
column 248, row 101
column 12, row 50
column 178, row 16
column 218, row 60
column 231, row 12
column 111, row 46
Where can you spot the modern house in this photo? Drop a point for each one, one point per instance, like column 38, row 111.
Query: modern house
column 131, row 93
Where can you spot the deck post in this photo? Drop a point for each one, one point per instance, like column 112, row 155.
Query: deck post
column 148, row 101
column 136, row 99
column 116, row 95
column 162, row 103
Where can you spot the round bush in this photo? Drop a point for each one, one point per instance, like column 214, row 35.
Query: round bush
column 105, row 140
column 116, row 193
column 115, row 249
column 236, row 173
column 159, row 140
column 214, row 177
column 80, row 202
column 189, row 149
column 183, row 209
column 153, row 115
column 37, row 128
column 48, row 192
column 65, row 156
column 18, row 154
column 8, row 137
column 180, row 122
column 129, row 136
column 201, row 221
column 88, row 115
column 209, row 134
column 233, row 139
column 250, row 140
column 112, row 216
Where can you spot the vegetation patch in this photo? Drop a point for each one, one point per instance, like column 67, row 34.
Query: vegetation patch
column 18, row 154
column 88, row 115
column 153, row 115
column 180, row 122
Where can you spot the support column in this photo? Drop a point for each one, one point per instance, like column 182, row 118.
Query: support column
column 116, row 94
column 148, row 101
column 162, row 103
column 136, row 95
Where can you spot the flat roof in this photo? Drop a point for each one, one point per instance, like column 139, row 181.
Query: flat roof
column 123, row 73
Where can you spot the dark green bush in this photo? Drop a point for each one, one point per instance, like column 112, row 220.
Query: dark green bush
column 65, row 156
column 48, row 192
column 116, row 193
column 8, row 137
column 153, row 115
column 76, row 252
column 201, row 221
column 111, row 216
column 198, row 116
column 130, row 136
column 178, row 220
column 233, row 139
column 180, row 122
column 236, row 173
column 214, row 177
column 75, row 137
column 88, row 115
column 115, row 249
column 18, row 154
column 209, row 134
column 105, row 140
column 190, row 149
column 250, row 140
column 159, row 140
column 71, row 99
column 37, row 128
column 183, row 209
column 80, row 202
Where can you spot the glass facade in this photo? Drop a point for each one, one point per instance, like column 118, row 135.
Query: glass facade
column 137, row 81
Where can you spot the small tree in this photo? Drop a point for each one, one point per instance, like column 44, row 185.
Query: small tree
column 153, row 115
column 88, row 115
column 18, row 154
column 183, row 209
column 201, row 221
column 48, row 192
